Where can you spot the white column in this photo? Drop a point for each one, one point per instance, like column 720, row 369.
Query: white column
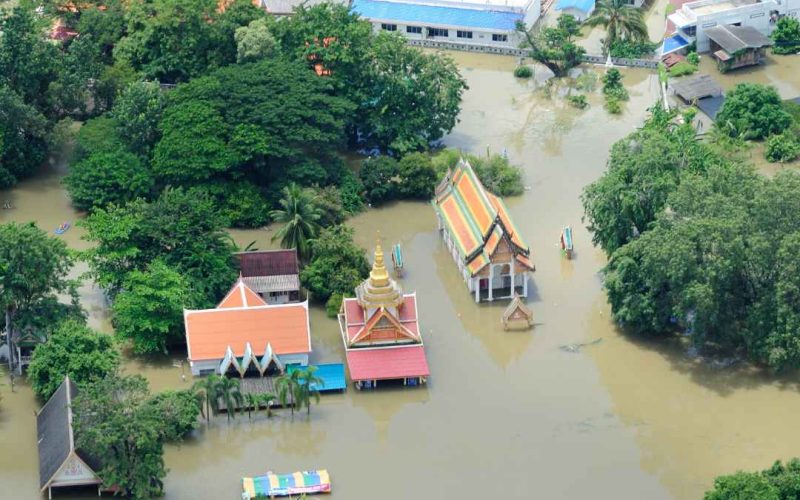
column 477, row 283
column 491, row 282
column 525, row 285
column 513, row 279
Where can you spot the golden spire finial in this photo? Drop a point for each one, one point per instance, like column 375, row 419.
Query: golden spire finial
column 379, row 276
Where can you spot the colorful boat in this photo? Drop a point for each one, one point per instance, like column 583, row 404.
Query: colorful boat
column 397, row 260
column 282, row 485
column 566, row 241
column 62, row 228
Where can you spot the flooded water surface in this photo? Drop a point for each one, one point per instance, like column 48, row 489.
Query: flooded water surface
column 505, row 414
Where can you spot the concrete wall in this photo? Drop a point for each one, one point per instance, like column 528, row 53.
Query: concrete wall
column 479, row 37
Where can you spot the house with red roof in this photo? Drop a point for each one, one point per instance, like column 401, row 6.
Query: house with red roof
column 488, row 249
column 381, row 334
column 244, row 334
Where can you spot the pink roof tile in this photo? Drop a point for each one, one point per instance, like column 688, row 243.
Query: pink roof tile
column 387, row 363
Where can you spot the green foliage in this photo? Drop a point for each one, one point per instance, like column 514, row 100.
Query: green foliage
column 495, row 172
column 755, row 109
column 578, row 100
column 255, row 42
column 240, row 203
column 782, row 148
column 105, row 178
column 350, row 188
column 378, row 175
column 613, row 105
column 632, row 49
column 115, row 422
column 621, row 21
column 328, row 200
column 179, row 412
column 586, row 81
column 137, row 112
column 405, row 81
column 786, row 36
column 682, row 68
column 779, row 482
column 416, row 176
column 23, row 137
column 337, row 265
column 98, row 135
column 612, row 85
column 693, row 59
column 306, row 378
column 333, row 305
column 299, row 214
column 183, row 229
column 149, row 310
column 554, row 47
column 75, row 350
column 523, row 71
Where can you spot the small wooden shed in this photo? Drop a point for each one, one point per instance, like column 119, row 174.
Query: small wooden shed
column 517, row 315
column 737, row 46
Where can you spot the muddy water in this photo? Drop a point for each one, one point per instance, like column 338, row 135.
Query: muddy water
column 505, row 413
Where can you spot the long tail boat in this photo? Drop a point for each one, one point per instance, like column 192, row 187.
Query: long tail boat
column 397, row 260
column 566, row 241
column 282, row 485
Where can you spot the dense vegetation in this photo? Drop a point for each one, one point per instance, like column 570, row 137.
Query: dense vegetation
column 786, row 36
column 779, row 482
column 699, row 243
column 554, row 47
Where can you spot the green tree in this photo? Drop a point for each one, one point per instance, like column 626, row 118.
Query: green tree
column 287, row 386
column 337, row 265
column 307, row 384
column 742, row 486
column 755, row 109
column 782, row 148
column 149, row 310
column 241, row 203
column 379, row 178
column 206, row 391
column 76, row 350
column 23, row 138
column 405, row 81
column 105, row 178
column 299, row 214
column 138, row 111
column 98, row 135
column 229, row 392
column 115, row 422
column 621, row 21
column 328, row 200
column 555, row 48
column 35, row 270
column 786, row 36
column 178, row 411
column 497, row 174
column 255, row 42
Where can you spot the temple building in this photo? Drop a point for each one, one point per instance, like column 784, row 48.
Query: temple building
column 245, row 335
column 490, row 253
column 381, row 333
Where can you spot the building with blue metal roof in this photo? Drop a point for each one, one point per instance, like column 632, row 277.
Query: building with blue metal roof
column 472, row 23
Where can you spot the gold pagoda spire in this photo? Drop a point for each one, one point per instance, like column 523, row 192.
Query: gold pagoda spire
column 379, row 276
column 379, row 290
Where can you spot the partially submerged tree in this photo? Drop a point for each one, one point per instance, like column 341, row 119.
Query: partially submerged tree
column 554, row 47
column 621, row 20
column 755, row 110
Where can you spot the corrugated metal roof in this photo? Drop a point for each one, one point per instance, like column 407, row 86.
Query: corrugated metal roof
column 434, row 15
column 735, row 38
column 280, row 283
column 268, row 262
column 387, row 363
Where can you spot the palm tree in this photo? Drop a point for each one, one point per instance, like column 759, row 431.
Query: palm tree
column 266, row 399
column 287, row 385
column 230, row 393
column 252, row 401
column 620, row 20
column 300, row 217
column 207, row 391
column 305, row 391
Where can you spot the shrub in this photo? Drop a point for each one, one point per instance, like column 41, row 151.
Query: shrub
column 417, row 176
column 612, row 85
column 693, row 59
column 786, row 36
column 577, row 100
column 631, row 49
column 782, row 148
column 754, row 110
column 586, row 82
column 683, row 68
column 333, row 305
column 613, row 106
column 378, row 176
column 350, row 189
column 523, row 72
column 496, row 173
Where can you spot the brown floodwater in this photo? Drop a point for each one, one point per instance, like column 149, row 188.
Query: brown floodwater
column 506, row 414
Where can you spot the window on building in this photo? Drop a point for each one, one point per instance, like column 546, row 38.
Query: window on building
column 389, row 27
column 438, row 32
column 464, row 34
column 690, row 30
column 499, row 38
column 417, row 30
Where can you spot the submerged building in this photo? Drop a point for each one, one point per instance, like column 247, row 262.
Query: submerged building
column 273, row 274
column 487, row 247
column 381, row 334
column 471, row 24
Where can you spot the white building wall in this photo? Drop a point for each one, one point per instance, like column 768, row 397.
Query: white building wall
column 756, row 15
column 207, row 367
column 479, row 37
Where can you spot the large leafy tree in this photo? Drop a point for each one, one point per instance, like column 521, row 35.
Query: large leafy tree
column 621, row 21
column 418, row 177
column 115, row 422
column 23, row 138
column 753, row 110
column 76, row 350
column 554, row 47
column 779, row 482
column 255, row 42
column 179, row 412
column 300, row 214
column 183, row 229
column 105, row 178
column 415, row 96
column 138, row 111
column 378, row 177
column 34, row 269
column 786, row 36
column 149, row 310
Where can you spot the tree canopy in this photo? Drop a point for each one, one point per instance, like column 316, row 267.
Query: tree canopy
column 23, row 138
column 621, row 20
column 786, row 36
column 554, row 47
column 779, row 482
column 754, row 111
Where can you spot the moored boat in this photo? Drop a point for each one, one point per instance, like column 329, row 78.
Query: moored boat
column 566, row 241
column 281, row 485
column 62, row 228
column 397, row 260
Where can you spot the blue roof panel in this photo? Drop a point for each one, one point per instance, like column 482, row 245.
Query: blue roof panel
column 434, row 15
column 582, row 5
column 332, row 376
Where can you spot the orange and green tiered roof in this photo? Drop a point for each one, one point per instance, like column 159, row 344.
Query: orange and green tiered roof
column 476, row 219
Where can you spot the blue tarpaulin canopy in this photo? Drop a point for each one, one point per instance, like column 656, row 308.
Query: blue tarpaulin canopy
column 332, row 376
column 582, row 5
column 673, row 44
column 434, row 15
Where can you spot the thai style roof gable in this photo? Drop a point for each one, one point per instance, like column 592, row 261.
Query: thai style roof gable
column 241, row 295
column 476, row 219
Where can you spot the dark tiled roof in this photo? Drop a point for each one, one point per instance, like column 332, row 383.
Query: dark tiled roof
column 735, row 38
column 54, row 434
column 268, row 263
column 690, row 88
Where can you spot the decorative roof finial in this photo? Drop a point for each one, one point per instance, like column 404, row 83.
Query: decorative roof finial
column 379, row 276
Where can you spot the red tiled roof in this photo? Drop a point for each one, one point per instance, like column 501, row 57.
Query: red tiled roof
column 268, row 263
column 387, row 363
column 355, row 323
column 241, row 296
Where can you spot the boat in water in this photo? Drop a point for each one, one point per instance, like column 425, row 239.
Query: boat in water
column 566, row 241
column 63, row 228
column 397, row 260
column 281, row 485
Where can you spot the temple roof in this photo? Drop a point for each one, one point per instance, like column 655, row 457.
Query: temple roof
column 476, row 219
column 355, row 325
column 379, row 290
column 387, row 363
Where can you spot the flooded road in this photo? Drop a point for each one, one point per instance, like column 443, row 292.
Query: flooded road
column 506, row 414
